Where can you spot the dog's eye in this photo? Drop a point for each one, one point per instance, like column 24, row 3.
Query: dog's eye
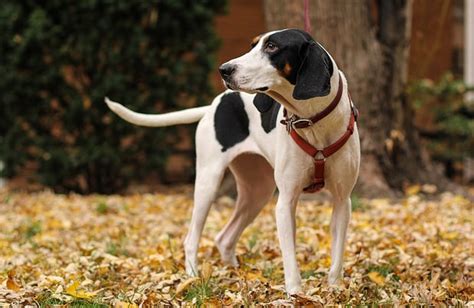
column 270, row 47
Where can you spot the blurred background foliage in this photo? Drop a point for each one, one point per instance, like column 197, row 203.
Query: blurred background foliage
column 445, row 119
column 59, row 61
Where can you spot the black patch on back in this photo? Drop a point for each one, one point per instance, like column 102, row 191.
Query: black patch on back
column 231, row 122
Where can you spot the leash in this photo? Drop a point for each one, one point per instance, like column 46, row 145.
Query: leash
column 307, row 20
column 319, row 156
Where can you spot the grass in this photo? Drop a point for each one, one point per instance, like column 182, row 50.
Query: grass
column 47, row 300
column 252, row 242
column 117, row 249
column 102, row 208
column 383, row 270
column 199, row 292
column 357, row 204
column 33, row 229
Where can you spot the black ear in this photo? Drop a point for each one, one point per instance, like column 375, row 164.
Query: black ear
column 263, row 102
column 314, row 74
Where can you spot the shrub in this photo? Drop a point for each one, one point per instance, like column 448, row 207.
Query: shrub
column 59, row 60
column 448, row 133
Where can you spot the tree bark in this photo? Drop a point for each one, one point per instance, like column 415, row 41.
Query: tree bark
column 369, row 40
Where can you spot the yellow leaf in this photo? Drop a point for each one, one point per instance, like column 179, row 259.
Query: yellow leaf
column 326, row 262
column 72, row 290
column 377, row 278
column 412, row 190
column 449, row 235
column 185, row 284
column 206, row 271
column 256, row 276
column 86, row 102
column 125, row 305
column 12, row 285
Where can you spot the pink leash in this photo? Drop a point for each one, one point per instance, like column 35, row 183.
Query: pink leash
column 307, row 20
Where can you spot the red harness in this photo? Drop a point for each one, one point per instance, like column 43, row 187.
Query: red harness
column 319, row 160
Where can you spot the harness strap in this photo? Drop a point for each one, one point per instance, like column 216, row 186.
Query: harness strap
column 318, row 179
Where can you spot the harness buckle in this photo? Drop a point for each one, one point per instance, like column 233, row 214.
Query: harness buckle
column 293, row 121
column 307, row 121
column 319, row 156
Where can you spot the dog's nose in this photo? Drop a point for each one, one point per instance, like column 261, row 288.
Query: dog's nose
column 226, row 70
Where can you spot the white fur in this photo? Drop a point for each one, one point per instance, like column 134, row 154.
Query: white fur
column 157, row 120
column 282, row 163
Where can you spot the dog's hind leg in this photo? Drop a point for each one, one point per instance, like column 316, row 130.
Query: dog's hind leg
column 341, row 215
column 255, row 186
column 208, row 178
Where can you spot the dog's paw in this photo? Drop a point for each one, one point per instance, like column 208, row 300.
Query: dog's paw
column 293, row 290
column 334, row 278
column 227, row 254
column 293, row 285
column 192, row 270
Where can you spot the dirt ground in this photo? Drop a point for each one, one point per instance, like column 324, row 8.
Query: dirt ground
column 126, row 251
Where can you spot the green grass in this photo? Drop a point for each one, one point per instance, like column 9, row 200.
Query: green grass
column 33, row 229
column 268, row 271
column 383, row 270
column 358, row 204
column 102, row 208
column 46, row 301
column 252, row 241
column 199, row 292
column 117, row 249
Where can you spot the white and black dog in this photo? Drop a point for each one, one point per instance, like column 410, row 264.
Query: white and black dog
column 241, row 130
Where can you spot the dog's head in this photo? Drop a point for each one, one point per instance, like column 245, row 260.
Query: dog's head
column 290, row 56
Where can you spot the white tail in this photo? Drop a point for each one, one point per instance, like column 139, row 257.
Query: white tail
column 157, row 120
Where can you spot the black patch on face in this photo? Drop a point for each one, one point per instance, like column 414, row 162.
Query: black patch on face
column 268, row 109
column 231, row 122
column 311, row 67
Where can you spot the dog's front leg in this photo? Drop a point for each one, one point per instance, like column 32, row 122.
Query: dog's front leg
column 341, row 215
column 285, row 219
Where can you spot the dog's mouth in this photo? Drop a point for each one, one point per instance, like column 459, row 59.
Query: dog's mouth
column 232, row 86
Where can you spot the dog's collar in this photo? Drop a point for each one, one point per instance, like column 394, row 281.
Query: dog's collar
column 294, row 121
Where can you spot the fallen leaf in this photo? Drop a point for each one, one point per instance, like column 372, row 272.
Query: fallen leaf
column 185, row 284
column 11, row 284
column 377, row 278
column 125, row 305
column 412, row 190
column 206, row 271
column 72, row 290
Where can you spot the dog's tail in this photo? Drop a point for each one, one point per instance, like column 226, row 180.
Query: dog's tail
column 157, row 120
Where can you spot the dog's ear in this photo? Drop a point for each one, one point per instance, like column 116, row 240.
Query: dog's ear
column 314, row 75
column 263, row 102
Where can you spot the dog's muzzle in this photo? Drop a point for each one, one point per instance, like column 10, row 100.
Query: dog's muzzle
column 227, row 70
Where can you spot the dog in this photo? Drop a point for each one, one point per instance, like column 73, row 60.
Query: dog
column 286, row 77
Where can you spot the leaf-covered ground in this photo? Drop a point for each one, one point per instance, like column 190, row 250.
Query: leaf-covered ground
column 71, row 250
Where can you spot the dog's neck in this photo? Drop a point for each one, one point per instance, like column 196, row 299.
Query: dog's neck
column 330, row 127
column 283, row 93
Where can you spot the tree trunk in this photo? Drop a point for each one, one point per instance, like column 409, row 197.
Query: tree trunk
column 369, row 40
